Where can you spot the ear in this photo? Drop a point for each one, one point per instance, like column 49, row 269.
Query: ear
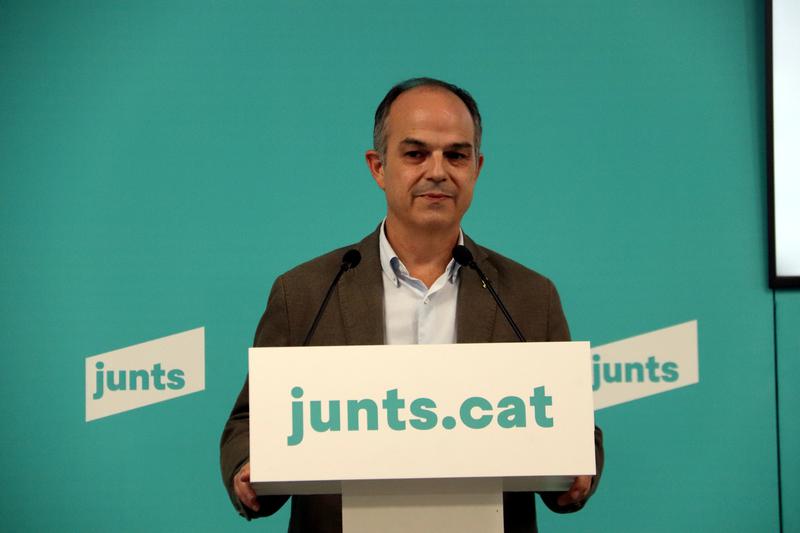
column 375, row 164
column 480, row 166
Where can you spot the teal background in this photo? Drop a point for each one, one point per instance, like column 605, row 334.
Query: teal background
column 161, row 163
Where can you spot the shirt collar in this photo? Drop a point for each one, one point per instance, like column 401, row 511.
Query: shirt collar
column 396, row 270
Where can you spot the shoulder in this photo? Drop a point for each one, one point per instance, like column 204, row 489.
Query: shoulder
column 510, row 272
column 316, row 266
column 528, row 295
column 319, row 272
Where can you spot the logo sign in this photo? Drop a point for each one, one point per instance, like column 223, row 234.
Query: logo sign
column 144, row 374
column 443, row 411
column 644, row 365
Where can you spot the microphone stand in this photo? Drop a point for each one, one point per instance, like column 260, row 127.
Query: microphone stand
column 350, row 260
column 463, row 256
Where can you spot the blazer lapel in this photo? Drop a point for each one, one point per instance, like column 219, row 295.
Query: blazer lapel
column 361, row 296
column 476, row 310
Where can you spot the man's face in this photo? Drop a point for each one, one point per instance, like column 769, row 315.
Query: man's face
column 430, row 167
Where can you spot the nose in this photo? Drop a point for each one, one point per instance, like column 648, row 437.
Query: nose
column 436, row 172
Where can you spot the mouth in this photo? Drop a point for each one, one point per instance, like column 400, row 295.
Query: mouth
column 435, row 196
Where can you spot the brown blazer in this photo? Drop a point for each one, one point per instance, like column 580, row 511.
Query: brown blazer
column 355, row 317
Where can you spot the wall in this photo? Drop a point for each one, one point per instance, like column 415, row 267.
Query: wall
column 161, row 165
column 788, row 342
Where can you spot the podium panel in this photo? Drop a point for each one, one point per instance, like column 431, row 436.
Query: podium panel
column 518, row 412
column 423, row 506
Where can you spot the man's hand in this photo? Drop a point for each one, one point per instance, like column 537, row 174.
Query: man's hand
column 576, row 493
column 244, row 491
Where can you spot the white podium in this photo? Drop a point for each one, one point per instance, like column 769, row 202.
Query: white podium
column 422, row 437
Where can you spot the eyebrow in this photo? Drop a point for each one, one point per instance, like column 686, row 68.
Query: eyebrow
column 422, row 144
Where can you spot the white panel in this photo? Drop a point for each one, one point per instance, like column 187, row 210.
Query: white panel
column 644, row 365
column 448, row 374
column 786, row 119
column 174, row 366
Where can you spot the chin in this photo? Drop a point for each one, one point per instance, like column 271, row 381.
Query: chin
column 435, row 223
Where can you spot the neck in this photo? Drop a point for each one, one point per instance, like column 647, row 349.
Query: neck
column 425, row 252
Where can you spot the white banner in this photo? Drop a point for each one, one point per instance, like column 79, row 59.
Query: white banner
column 422, row 411
column 144, row 374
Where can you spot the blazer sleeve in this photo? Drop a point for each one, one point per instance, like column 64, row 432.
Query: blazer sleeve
column 272, row 330
column 557, row 330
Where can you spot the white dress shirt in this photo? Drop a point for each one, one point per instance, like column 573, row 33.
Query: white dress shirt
column 414, row 313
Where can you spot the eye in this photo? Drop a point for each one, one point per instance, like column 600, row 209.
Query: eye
column 414, row 154
column 456, row 156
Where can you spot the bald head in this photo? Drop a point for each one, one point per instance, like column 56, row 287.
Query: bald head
column 380, row 131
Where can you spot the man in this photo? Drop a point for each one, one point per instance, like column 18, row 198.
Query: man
column 407, row 289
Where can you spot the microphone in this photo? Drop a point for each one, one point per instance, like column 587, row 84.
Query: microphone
column 463, row 257
column 350, row 259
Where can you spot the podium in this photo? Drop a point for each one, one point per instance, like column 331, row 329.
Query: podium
column 421, row 437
